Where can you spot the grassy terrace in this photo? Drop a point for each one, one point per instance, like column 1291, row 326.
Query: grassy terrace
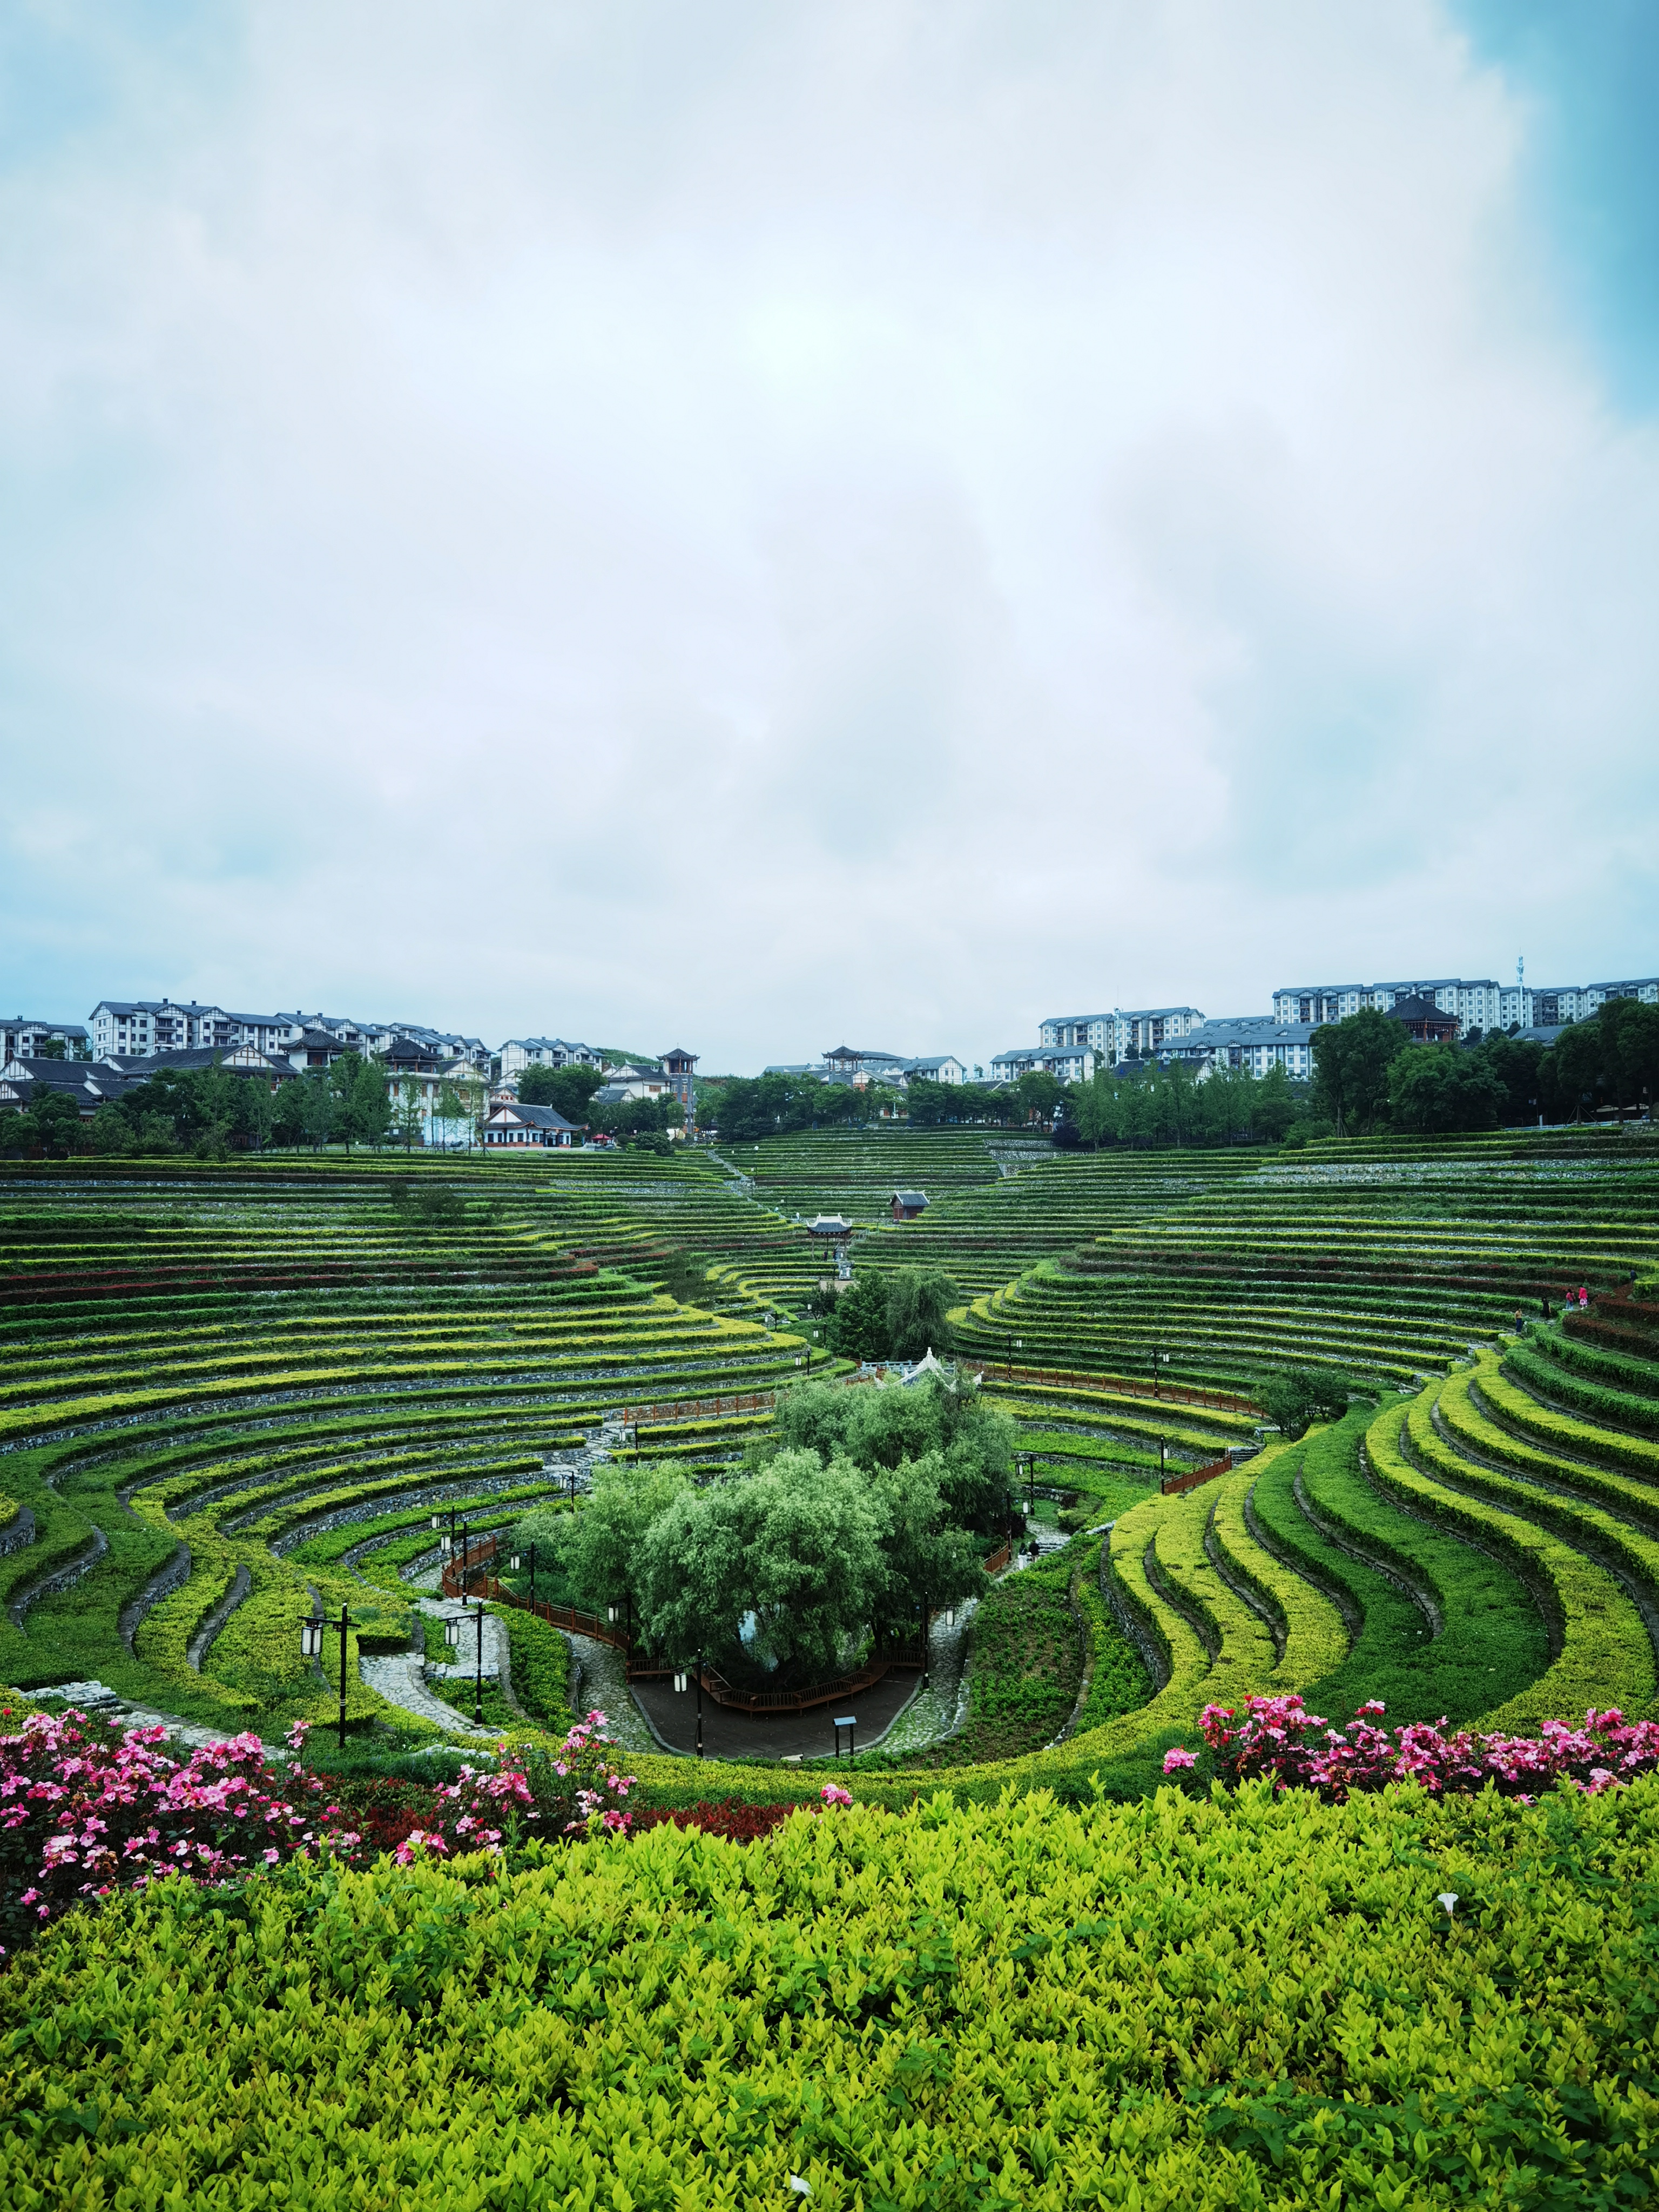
column 225, row 1390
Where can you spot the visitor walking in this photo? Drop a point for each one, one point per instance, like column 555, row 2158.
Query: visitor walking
column 1583, row 1297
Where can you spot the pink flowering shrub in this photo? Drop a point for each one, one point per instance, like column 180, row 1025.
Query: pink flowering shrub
column 577, row 1788
column 1278, row 1736
column 85, row 1810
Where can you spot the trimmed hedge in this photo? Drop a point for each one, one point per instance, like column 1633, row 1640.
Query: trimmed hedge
column 1605, row 1657
column 1186, row 2005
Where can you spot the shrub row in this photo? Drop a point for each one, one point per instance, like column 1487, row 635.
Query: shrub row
column 1016, row 2005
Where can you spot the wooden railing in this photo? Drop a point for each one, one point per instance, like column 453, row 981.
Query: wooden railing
column 1173, row 1483
column 1174, row 1393
column 702, row 1409
column 472, row 1576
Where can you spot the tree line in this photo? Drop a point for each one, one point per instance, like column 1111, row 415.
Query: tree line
column 215, row 1110
column 1367, row 1075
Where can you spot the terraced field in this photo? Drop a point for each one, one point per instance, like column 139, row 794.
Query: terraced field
column 228, row 1392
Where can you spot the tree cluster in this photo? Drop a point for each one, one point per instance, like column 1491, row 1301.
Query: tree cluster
column 866, row 1506
column 1612, row 1060
column 1295, row 1397
column 1156, row 1105
column 51, row 1126
column 902, row 1316
column 1368, row 1076
column 566, row 1090
column 204, row 1110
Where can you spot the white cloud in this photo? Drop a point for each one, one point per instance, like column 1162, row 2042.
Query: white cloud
column 759, row 522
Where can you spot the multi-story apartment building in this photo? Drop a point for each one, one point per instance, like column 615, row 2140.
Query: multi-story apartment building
column 863, row 1065
column 137, row 1027
column 1094, row 1031
column 1138, row 1032
column 1549, row 1005
column 1474, row 1006
column 23, row 1037
column 1247, row 1041
column 1069, row 1063
column 1481, row 1005
column 935, row 1067
column 519, row 1053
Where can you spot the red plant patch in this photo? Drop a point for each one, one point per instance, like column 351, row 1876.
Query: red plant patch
column 739, row 1822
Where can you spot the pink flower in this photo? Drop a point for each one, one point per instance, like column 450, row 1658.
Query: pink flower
column 1175, row 1760
column 832, row 1794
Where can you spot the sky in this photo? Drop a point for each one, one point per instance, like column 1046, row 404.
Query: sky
column 760, row 527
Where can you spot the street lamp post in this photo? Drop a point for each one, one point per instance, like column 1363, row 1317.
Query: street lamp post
column 516, row 1565
column 311, row 1647
column 453, row 1627
column 681, row 1684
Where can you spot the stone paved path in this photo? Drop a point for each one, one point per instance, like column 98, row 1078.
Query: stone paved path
column 603, row 1683
column 942, row 1707
column 97, row 1697
column 401, row 1678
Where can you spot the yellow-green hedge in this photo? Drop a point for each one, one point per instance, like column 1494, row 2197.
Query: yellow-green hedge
column 1315, row 1639
column 1177, row 2006
column 1605, row 1659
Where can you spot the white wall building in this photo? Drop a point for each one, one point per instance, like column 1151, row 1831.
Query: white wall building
column 139, row 1026
column 1135, row 1032
column 1067, row 1063
column 519, row 1053
column 1251, row 1042
column 1480, row 1004
column 1475, row 1005
column 1552, row 1004
column 941, row 1067
column 23, row 1037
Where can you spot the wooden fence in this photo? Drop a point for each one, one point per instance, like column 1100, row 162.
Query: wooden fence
column 1173, row 1483
column 1173, row 1393
column 702, row 1409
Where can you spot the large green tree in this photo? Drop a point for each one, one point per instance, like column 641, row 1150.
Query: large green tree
column 1515, row 1063
column 1630, row 1054
column 566, row 1090
column 51, row 1123
column 600, row 1547
column 1571, row 1071
column 902, row 1315
column 792, row 1555
column 973, row 1442
column 1352, row 1060
column 408, row 1123
column 1438, row 1087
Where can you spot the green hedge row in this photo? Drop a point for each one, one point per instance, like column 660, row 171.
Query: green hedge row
column 1185, row 2005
